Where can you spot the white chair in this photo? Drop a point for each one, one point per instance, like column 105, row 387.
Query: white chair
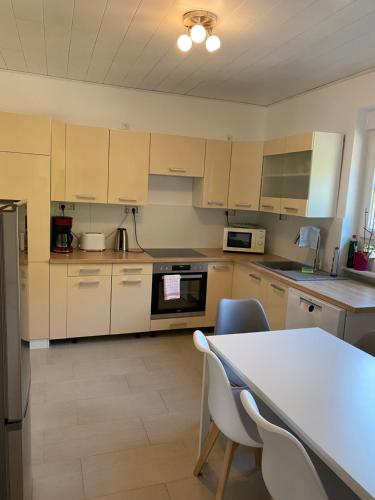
column 227, row 414
column 288, row 471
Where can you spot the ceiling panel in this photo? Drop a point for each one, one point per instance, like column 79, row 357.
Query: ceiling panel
column 271, row 49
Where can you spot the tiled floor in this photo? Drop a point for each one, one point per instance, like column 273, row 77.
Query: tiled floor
column 117, row 419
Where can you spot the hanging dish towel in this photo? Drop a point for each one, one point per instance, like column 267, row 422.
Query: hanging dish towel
column 309, row 237
column 172, row 286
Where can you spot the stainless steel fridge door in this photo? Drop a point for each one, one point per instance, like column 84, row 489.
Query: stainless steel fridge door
column 19, row 459
column 16, row 349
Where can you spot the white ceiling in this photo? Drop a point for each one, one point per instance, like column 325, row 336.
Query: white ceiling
column 271, row 49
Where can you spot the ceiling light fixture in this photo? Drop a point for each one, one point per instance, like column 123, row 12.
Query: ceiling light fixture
column 200, row 24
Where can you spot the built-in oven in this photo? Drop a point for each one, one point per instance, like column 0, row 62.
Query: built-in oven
column 193, row 288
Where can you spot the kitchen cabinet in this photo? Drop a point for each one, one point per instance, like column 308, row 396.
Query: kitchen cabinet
column 88, row 306
column 58, row 161
column 86, row 164
column 275, row 302
column 129, row 158
column 274, row 147
column 247, row 283
column 131, row 303
column 219, row 286
column 25, row 134
column 177, row 323
column 58, row 301
column 211, row 191
column 245, row 175
column 304, row 181
column 177, row 155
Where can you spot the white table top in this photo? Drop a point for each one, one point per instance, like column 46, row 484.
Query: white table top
column 321, row 387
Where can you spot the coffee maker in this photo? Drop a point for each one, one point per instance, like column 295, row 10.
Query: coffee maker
column 61, row 234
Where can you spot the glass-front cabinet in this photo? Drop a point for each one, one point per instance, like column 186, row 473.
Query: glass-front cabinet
column 294, row 182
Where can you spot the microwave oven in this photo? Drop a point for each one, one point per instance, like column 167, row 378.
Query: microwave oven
column 244, row 239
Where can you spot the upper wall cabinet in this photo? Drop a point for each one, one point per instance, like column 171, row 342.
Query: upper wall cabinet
column 303, row 181
column 58, row 161
column 211, row 191
column 86, row 164
column 129, row 156
column 274, row 147
column 245, row 175
column 25, row 134
column 177, row 155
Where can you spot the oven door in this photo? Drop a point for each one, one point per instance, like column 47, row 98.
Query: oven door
column 192, row 301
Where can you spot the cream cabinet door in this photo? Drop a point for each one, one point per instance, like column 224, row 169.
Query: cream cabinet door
column 88, row 306
column 131, row 304
column 58, row 161
column 245, row 175
column 86, row 164
column 177, row 155
column 275, row 303
column 219, row 286
column 25, row 134
column 293, row 206
column 269, row 204
column 247, row 283
column 58, row 288
column 212, row 190
column 129, row 158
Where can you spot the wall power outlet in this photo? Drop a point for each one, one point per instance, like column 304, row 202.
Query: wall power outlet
column 128, row 210
column 68, row 206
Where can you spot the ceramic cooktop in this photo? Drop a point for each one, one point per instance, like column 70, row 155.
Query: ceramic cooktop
column 172, row 252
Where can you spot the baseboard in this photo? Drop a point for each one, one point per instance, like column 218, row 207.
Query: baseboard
column 39, row 344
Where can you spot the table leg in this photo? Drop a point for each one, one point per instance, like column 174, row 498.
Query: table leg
column 205, row 414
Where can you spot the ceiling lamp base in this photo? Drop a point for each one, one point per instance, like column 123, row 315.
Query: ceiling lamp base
column 207, row 19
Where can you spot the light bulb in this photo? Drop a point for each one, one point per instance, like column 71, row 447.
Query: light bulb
column 184, row 43
column 213, row 43
column 198, row 33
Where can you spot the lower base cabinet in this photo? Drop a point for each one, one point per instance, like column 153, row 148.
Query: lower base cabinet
column 275, row 303
column 219, row 286
column 131, row 304
column 247, row 283
column 88, row 306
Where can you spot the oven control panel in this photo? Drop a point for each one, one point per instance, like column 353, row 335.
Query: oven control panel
column 176, row 268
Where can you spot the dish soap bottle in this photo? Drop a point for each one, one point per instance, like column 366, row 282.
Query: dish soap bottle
column 353, row 247
column 335, row 262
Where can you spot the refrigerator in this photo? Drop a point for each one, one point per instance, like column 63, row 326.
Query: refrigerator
column 15, row 461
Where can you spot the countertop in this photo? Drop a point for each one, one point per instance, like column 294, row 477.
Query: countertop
column 349, row 294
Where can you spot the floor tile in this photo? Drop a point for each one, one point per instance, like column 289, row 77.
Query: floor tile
column 157, row 492
column 53, row 415
column 171, row 427
column 59, row 487
column 136, row 468
column 116, row 408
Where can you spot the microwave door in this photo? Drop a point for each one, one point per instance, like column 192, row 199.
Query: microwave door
column 238, row 239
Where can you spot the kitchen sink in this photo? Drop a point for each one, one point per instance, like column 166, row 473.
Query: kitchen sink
column 292, row 270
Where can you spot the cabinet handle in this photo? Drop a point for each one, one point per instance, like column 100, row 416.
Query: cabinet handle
column 173, row 169
column 218, row 203
column 132, row 269
column 131, row 200
column 89, row 271
column 255, row 277
column 89, row 283
column 291, row 209
column 312, row 305
column 183, row 323
column 278, row 288
column 127, row 282
column 86, row 196
column 271, row 207
column 243, row 204
column 221, row 268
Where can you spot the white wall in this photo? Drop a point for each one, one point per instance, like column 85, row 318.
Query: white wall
column 340, row 107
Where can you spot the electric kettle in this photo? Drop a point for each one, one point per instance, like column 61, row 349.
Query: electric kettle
column 121, row 240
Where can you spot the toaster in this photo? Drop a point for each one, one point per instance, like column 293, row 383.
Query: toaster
column 92, row 242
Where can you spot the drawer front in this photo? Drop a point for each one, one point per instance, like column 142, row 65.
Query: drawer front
column 268, row 204
column 88, row 306
column 131, row 304
column 125, row 269
column 89, row 269
column 292, row 206
column 178, row 323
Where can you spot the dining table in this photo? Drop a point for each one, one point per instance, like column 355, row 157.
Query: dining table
column 320, row 386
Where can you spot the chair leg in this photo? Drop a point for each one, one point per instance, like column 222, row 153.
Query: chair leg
column 228, row 457
column 207, row 447
column 258, row 457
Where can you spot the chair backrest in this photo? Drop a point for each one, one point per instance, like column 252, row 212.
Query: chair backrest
column 367, row 343
column 287, row 469
column 221, row 401
column 240, row 316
